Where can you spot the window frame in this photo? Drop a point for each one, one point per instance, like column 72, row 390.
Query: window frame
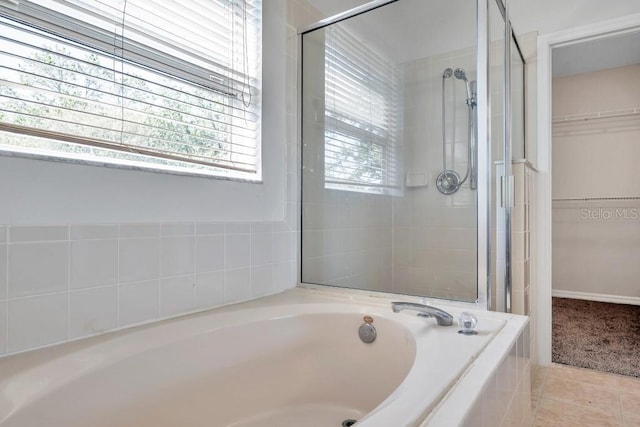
column 98, row 40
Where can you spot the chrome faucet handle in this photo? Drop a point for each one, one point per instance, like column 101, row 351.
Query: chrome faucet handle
column 442, row 317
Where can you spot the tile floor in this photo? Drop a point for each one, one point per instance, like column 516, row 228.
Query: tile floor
column 564, row 396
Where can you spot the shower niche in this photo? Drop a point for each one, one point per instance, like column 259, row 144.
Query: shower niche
column 397, row 182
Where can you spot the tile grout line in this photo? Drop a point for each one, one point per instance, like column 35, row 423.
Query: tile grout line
column 541, row 395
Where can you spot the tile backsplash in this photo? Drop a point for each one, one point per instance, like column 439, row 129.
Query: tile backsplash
column 62, row 282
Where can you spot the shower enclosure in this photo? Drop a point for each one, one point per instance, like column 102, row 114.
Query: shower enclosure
column 404, row 187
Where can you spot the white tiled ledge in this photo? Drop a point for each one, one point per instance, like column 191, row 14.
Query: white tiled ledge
column 63, row 282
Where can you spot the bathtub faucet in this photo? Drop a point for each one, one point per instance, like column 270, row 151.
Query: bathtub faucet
column 442, row 317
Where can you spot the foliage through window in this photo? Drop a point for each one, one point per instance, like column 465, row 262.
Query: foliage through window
column 361, row 116
column 166, row 85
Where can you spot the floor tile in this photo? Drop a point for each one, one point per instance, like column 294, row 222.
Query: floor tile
column 539, row 375
column 557, row 413
column 629, row 385
column 631, row 421
column 584, row 375
column 580, row 393
column 565, row 396
column 630, row 404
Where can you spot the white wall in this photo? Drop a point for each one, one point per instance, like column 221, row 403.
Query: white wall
column 36, row 192
column 88, row 249
column 596, row 244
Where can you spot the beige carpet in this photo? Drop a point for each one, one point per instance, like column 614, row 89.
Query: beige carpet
column 597, row 335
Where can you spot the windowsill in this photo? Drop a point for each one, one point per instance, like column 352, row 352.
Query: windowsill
column 123, row 166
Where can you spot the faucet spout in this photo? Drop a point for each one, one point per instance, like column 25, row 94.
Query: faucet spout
column 442, row 317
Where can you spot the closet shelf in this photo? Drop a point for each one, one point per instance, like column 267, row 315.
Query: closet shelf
column 627, row 112
column 595, row 199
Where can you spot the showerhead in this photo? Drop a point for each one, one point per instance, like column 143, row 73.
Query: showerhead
column 447, row 73
column 460, row 74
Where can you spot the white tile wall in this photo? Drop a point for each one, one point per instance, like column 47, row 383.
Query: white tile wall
column 177, row 295
column 93, row 263
column 93, row 311
column 96, row 278
column 177, row 255
column 210, row 289
column 237, row 250
column 37, row 267
column 139, row 302
column 209, row 253
column 37, row 321
column 505, row 398
column 237, row 285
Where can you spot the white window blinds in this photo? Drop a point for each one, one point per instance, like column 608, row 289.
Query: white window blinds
column 361, row 116
column 175, row 85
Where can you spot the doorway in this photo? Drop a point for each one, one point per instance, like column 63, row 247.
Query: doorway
column 548, row 212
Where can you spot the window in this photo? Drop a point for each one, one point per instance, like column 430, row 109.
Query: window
column 163, row 85
column 361, row 116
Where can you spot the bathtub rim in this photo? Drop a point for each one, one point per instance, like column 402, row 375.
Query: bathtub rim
column 300, row 297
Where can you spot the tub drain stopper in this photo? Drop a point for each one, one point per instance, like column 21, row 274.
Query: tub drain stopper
column 367, row 333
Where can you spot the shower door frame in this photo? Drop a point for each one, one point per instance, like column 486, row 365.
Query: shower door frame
column 484, row 267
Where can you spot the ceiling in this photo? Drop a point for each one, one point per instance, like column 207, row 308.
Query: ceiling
column 596, row 55
column 419, row 28
column 409, row 29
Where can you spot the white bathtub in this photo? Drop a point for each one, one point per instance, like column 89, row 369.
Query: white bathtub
column 290, row 360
